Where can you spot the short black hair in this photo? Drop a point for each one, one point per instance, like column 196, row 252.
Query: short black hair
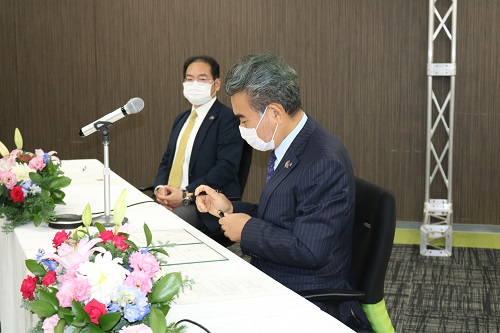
column 214, row 65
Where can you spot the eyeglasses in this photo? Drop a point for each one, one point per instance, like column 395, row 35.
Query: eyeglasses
column 202, row 79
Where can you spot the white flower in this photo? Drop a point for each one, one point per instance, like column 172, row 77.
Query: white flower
column 6, row 164
column 104, row 275
column 22, row 171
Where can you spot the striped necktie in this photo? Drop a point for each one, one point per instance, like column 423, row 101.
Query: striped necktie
column 176, row 172
column 270, row 166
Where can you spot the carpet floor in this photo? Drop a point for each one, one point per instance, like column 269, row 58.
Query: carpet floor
column 458, row 294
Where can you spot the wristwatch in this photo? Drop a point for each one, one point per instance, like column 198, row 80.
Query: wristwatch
column 186, row 199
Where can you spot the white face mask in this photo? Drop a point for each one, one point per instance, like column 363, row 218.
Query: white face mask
column 251, row 137
column 197, row 93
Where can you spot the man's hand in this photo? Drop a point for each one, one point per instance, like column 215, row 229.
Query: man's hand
column 212, row 201
column 170, row 197
column 232, row 225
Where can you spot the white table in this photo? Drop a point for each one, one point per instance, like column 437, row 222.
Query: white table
column 241, row 298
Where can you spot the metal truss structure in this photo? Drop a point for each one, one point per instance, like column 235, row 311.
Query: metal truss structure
column 436, row 230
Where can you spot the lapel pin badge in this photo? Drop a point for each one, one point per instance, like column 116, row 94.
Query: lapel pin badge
column 288, row 164
column 211, row 118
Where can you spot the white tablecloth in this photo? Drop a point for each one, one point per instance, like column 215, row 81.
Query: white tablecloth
column 271, row 308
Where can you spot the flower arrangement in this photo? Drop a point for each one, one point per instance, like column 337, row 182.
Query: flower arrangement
column 100, row 282
column 30, row 185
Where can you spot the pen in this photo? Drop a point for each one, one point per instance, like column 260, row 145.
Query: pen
column 219, row 212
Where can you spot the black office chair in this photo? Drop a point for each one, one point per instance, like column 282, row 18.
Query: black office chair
column 372, row 240
column 245, row 162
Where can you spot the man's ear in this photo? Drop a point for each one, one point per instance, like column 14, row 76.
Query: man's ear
column 277, row 111
column 217, row 84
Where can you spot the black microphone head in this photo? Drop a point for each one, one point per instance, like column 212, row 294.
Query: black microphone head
column 135, row 105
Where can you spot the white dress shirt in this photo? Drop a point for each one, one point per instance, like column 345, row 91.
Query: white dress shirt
column 201, row 111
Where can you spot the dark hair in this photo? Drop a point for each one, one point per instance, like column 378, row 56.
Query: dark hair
column 214, row 65
column 265, row 78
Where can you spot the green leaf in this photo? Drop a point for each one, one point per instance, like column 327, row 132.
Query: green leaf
column 80, row 314
column 35, row 177
column 120, row 208
column 87, row 216
column 131, row 244
column 92, row 328
column 72, row 329
column 157, row 321
column 99, row 227
column 18, row 139
column 49, row 298
column 147, row 233
column 60, row 182
column 58, row 195
column 42, row 308
column 164, row 308
column 166, row 288
column 159, row 250
column 60, row 326
column 109, row 320
column 35, row 267
column 37, row 220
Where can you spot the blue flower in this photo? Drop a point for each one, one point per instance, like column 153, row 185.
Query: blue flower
column 51, row 264
column 113, row 307
column 39, row 254
column 30, row 188
column 46, row 158
column 132, row 313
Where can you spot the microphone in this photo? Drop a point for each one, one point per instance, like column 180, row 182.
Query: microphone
column 135, row 105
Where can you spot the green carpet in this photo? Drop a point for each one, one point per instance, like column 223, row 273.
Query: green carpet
column 459, row 239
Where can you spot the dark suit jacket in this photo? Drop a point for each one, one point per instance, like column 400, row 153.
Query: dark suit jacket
column 300, row 233
column 216, row 154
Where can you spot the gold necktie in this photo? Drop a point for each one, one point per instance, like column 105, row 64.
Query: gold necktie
column 176, row 172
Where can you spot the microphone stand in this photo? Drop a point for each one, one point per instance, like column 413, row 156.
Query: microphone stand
column 107, row 219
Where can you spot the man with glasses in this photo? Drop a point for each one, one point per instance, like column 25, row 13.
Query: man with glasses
column 204, row 147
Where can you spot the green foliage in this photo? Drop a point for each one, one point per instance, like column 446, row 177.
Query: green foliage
column 36, row 208
column 35, row 267
column 166, row 288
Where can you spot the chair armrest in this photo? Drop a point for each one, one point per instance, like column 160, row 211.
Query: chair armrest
column 332, row 298
column 148, row 187
column 332, row 294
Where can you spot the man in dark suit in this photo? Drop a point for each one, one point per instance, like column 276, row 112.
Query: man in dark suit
column 300, row 232
column 204, row 147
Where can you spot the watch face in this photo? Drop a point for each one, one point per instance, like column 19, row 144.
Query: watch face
column 186, row 201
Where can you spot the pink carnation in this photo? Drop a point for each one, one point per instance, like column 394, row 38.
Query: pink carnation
column 77, row 289
column 50, row 323
column 139, row 279
column 36, row 163
column 141, row 328
column 145, row 262
column 9, row 179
